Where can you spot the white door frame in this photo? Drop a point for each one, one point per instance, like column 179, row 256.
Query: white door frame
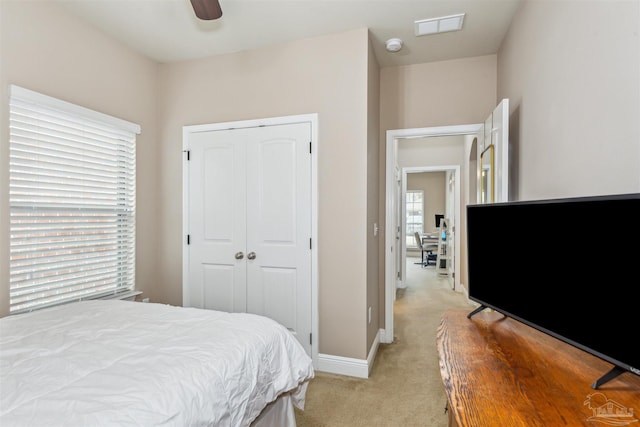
column 271, row 121
column 390, row 197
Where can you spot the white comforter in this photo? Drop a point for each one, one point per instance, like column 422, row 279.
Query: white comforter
column 122, row 363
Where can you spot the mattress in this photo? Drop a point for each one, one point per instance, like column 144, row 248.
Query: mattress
column 107, row 362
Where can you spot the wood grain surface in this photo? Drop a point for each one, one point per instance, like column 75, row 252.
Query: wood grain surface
column 500, row 372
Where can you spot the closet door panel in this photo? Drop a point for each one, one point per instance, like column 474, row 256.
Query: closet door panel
column 271, row 199
column 218, row 288
column 279, row 226
column 279, row 291
column 217, row 187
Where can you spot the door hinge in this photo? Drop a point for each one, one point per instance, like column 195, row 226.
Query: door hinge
column 309, row 147
column 310, row 246
column 188, row 239
column 310, row 339
column 188, row 154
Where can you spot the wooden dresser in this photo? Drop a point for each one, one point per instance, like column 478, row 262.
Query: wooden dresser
column 500, row 372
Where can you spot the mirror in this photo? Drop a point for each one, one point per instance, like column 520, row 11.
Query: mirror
column 487, row 182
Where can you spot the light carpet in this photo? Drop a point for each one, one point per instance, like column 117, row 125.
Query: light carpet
column 404, row 388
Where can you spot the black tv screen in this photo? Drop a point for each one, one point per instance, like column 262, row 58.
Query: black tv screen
column 567, row 267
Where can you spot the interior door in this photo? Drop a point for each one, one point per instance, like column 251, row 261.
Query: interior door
column 399, row 246
column 279, row 226
column 496, row 133
column 249, row 214
column 217, row 221
column 451, row 202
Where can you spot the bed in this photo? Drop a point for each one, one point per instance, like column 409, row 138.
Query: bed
column 119, row 363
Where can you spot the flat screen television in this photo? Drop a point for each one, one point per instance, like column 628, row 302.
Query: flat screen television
column 568, row 267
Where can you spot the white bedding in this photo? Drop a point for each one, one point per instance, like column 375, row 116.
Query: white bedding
column 126, row 363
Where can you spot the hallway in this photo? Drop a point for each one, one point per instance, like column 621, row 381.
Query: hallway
column 405, row 388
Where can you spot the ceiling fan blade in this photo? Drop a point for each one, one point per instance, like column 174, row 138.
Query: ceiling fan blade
column 207, row 10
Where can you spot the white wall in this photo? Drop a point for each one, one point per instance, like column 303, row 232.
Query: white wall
column 45, row 49
column 432, row 184
column 325, row 75
column 571, row 70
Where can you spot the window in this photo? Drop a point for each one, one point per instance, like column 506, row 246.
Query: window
column 72, row 202
column 415, row 216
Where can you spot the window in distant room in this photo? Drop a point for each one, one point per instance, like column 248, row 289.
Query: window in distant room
column 72, row 197
column 415, row 216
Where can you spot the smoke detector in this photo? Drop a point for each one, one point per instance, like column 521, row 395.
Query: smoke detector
column 394, row 45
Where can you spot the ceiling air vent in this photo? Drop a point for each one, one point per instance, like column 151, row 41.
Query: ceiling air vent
column 442, row 24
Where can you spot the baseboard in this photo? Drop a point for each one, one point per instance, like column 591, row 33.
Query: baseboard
column 349, row 366
column 343, row 365
column 463, row 289
column 372, row 352
column 384, row 339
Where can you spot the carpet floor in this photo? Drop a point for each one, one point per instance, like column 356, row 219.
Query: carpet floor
column 404, row 388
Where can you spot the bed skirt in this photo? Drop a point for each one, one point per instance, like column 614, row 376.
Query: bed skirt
column 278, row 413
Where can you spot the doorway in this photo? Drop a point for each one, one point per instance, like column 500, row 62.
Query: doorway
column 446, row 191
column 391, row 207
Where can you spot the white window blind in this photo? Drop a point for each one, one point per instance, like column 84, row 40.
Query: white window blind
column 415, row 216
column 72, row 194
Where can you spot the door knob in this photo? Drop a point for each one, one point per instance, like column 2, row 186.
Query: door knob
column 239, row 255
column 251, row 255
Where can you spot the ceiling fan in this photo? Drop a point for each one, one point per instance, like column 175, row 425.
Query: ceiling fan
column 207, row 10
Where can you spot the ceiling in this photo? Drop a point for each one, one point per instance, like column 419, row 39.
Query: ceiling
column 168, row 31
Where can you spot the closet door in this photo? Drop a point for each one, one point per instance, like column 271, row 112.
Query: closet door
column 249, row 204
column 217, row 221
column 279, row 226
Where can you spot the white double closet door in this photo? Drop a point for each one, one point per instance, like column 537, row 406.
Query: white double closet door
column 249, row 223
